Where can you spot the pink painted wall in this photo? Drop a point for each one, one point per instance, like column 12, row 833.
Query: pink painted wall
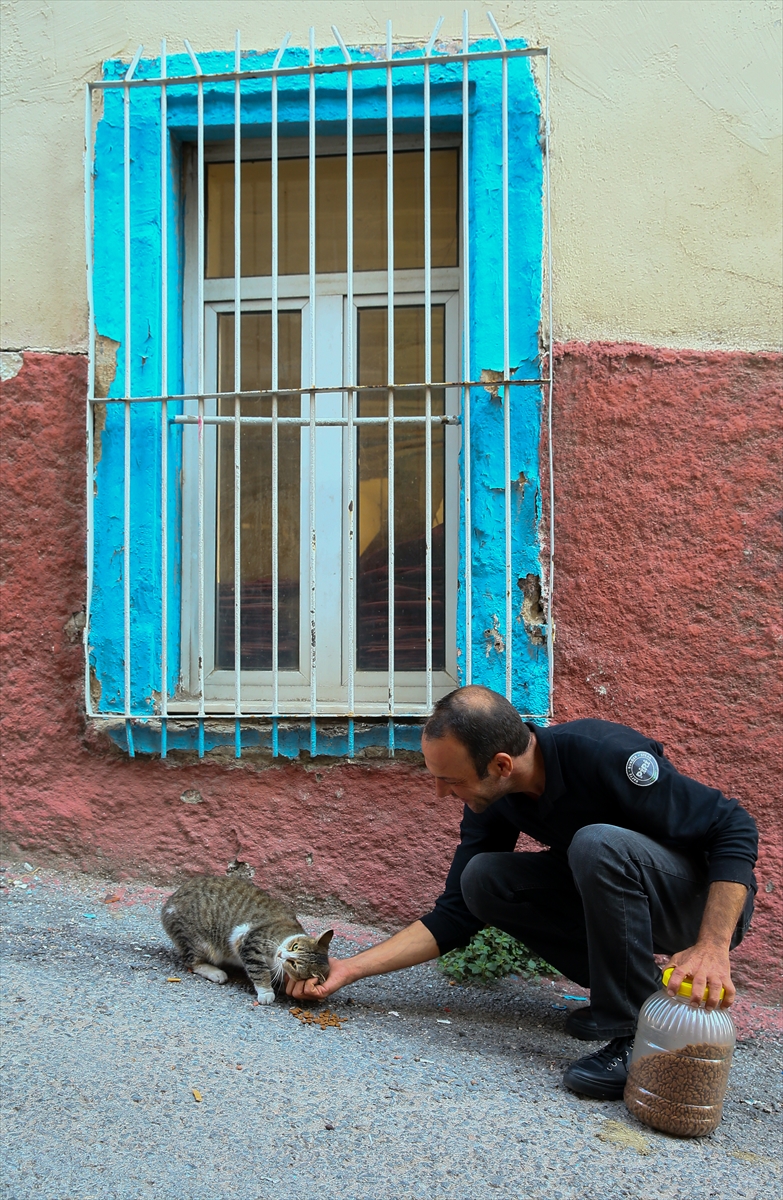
column 668, row 610
column 665, row 608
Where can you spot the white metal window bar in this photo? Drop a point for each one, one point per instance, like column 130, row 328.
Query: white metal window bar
column 349, row 389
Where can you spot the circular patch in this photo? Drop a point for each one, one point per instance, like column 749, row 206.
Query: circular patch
column 642, row 769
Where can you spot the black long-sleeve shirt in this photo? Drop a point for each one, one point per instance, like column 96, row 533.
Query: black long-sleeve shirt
column 595, row 774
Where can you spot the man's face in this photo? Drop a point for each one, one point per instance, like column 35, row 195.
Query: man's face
column 449, row 762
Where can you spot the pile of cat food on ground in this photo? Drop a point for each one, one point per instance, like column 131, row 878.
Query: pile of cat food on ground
column 325, row 1018
column 680, row 1092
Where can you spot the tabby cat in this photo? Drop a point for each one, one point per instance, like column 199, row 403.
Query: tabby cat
column 213, row 920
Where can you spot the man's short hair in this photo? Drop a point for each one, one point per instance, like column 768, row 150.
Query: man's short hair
column 483, row 721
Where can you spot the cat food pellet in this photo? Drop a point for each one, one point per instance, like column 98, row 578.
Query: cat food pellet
column 325, row 1019
column 680, row 1092
column 197, row 1095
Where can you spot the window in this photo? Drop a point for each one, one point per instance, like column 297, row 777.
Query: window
column 350, row 468
column 320, row 511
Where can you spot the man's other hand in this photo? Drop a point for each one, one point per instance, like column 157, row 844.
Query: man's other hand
column 708, row 968
column 707, row 962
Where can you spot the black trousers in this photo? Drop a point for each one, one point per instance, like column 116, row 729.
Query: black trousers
column 599, row 914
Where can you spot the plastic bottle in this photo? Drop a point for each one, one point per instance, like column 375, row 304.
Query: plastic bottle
column 679, row 1066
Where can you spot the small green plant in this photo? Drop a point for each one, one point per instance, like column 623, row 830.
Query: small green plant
column 489, row 955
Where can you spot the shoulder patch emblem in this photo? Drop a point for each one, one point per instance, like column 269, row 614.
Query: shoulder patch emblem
column 642, row 769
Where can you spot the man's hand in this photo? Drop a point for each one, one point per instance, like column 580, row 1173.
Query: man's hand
column 708, row 967
column 410, row 946
column 707, row 963
column 310, row 989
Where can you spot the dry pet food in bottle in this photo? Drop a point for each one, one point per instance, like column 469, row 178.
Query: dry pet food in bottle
column 680, row 1063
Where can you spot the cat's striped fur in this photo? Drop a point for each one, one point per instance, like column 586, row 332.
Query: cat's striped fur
column 214, row 920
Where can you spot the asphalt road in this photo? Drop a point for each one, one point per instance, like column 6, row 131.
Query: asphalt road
column 425, row 1089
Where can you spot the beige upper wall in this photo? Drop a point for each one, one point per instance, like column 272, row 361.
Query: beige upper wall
column 666, row 150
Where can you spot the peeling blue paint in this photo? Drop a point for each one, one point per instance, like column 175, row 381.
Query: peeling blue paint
column 292, row 740
column 488, row 632
column 486, row 345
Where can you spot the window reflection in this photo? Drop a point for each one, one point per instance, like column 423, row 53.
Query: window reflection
column 256, row 496
column 409, row 495
column 370, row 227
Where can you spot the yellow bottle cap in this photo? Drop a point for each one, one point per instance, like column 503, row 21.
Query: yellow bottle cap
column 686, row 987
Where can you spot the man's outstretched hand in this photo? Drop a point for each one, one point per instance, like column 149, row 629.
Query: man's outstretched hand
column 310, row 989
column 412, row 945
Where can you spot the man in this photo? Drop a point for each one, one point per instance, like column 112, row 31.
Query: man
column 640, row 860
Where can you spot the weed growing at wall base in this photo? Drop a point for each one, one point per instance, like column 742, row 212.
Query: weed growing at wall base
column 490, row 955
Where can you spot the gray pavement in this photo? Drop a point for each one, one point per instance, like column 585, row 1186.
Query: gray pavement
column 427, row 1089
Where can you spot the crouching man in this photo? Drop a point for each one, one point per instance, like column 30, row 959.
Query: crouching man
column 641, row 860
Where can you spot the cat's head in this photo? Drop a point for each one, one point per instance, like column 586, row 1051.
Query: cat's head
column 306, row 957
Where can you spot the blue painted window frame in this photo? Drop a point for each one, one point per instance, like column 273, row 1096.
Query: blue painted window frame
column 106, row 651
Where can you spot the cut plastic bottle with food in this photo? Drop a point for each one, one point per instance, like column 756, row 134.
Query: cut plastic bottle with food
column 679, row 1066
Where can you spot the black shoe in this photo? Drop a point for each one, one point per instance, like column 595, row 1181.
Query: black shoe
column 580, row 1024
column 602, row 1075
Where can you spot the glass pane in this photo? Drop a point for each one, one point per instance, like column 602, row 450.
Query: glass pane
column 409, row 209
column 256, row 496
column 409, row 496
column 330, row 228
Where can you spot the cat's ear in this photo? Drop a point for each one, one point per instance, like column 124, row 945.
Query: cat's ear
column 325, row 939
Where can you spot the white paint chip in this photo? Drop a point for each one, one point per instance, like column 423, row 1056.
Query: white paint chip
column 11, row 364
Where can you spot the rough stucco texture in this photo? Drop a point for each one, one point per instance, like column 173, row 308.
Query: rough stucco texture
column 667, row 602
column 665, row 615
column 380, row 842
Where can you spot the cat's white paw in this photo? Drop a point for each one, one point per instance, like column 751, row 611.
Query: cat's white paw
column 265, row 995
column 210, row 972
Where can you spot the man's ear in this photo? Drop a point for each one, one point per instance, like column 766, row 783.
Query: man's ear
column 501, row 765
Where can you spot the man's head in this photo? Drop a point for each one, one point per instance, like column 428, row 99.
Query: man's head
column 470, row 744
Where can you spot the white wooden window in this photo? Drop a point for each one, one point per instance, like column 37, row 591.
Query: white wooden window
column 325, row 580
